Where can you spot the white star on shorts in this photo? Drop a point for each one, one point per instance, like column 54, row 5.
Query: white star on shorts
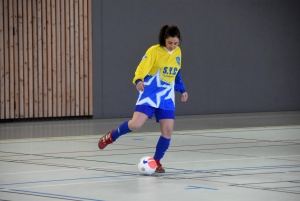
column 162, row 90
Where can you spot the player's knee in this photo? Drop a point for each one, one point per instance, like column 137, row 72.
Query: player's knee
column 167, row 132
column 133, row 125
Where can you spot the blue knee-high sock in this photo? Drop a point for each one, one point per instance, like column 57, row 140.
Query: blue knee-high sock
column 123, row 129
column 161, row 148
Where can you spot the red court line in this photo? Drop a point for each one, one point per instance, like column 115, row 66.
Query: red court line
column 69, row 166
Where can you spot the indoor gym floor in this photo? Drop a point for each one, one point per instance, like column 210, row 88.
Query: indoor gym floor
column 211, row 157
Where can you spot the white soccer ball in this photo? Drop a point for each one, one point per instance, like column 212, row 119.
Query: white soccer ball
column 147, row 165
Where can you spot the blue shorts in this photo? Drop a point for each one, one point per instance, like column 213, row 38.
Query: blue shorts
column 159, row 113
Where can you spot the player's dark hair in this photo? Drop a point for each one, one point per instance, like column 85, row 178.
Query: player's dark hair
column 168, row 31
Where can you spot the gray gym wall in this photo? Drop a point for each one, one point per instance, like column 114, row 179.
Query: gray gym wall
column 237, row 55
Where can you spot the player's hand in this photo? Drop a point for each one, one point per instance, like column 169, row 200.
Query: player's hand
column 184, row 96
column 140, row 86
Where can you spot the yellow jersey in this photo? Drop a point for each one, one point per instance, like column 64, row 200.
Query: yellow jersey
column 160, row 72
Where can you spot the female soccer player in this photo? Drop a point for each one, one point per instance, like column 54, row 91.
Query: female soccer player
column 156, row 78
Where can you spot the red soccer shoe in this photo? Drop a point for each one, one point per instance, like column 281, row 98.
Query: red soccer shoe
column 159, row 168
column 105, row 140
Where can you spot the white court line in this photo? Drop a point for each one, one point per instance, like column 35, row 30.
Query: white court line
column 107, row 181
column 80, row 183
column 263, row 128
column 119, row 122
column 221, row 130
column 248, row 158
column 41, row 171
column 203, row 161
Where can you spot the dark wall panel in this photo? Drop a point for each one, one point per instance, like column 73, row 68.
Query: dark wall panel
column 237, row 56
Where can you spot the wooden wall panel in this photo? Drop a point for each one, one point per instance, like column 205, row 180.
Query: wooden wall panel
column 58, row 57
column 6, row 60
column 44, row 62
column 2, row 77
column 49, row 57
column 76, row 31
column 25, row 60
column 11, row 60
column 16, row 59
column 67, row 72
column 54, row 49
column 45, row 58
column 63, row 59
column 30, row 58
column 40, row 58
column 72, row 59
column 35, row 60
column 21, row 61
column 81, row 66
column 89, row 100
column 86, row 52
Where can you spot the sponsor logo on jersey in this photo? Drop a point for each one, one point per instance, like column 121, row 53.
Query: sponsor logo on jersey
column 178, row 60
column 144, row 57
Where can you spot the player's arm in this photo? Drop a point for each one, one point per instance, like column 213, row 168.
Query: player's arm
column 179, row 86
column 144, row 67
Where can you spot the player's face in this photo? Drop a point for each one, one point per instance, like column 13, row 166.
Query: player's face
column 172, row 43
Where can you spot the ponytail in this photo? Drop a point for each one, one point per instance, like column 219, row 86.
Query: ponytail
column 161, row 36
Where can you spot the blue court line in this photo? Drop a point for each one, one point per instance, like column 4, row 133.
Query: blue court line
column 199, row 187
column 72, row 179
column 51, row 194
column 238, row 169
column 139, row 138
column 258, row 167
column 171, row 173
